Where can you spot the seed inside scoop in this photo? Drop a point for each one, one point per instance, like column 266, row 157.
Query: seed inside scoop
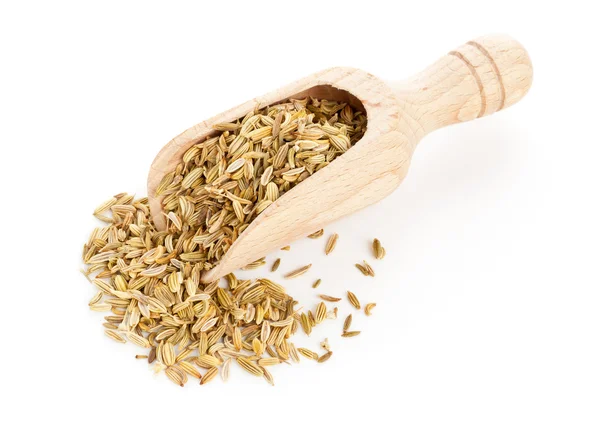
column 225, row 181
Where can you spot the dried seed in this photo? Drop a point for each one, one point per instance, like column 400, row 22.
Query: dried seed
column 325, row 357
column 209, row 324
column 176, row 375
column 207, row 361
column 267, row 376
column 294, row 353
column 141, row 356
column 225, row 370
column 331, row 243
column 283, row 323
column 167, row 352
column 311, row 318
column 298, row 272
column 256, row 264
column 271, row 351
column 237, row 339
column 368, row 308
column 258, row 347
column 378, row 250
column 316, row 283
column 138, row 340
column 265, row 331
column 316, row 234
column 209, row 375
column 353, row 300
column 275, row 265
column 320, row 313
column 307, row 353
column 100, row 307
column 249, row 366
column 305, row 322
column 189, row 369
column 264, row 362
column 347, row 323
column 330, row 298
column 350, row 333
column 152, row 355
column 362, row 269
column 97, row 297
column 115, row 336
column 235, row 165
column 369, row 269
column 285, row 248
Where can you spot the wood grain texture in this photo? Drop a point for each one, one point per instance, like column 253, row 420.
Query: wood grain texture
column 477, row 79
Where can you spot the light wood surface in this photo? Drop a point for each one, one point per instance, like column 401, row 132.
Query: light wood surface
column 477, row 79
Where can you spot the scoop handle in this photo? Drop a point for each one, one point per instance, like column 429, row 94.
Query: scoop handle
column 480, row 77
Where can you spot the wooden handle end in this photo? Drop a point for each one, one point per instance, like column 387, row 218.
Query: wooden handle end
column 501, row 69
column 477, row 79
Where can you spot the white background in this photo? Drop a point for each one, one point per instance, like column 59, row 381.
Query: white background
column 488, row 299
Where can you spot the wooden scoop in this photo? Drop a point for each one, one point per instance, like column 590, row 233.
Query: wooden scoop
column 477, row 79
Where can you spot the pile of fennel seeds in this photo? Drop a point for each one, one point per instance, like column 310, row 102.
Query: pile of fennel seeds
column 149, row 280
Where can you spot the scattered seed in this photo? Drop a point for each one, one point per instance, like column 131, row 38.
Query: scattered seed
column 285, row 248
column 316, row 234
column 307, row 353
column 368, row 308
column 311, row 318
column 347, row 323
column 316, row 283
column 141, row 356
column 256, row 264
column 353, row 300
column 115, row 336
column 325, row 357
column 378, row 250
column 362, row 269
column 209, row 375
column 330, row 298
column 320, row 313
column 368, row 268
column 298, row 272
column 331, row 243
column 275, row 265
column 306, row 325
column 350, row 333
